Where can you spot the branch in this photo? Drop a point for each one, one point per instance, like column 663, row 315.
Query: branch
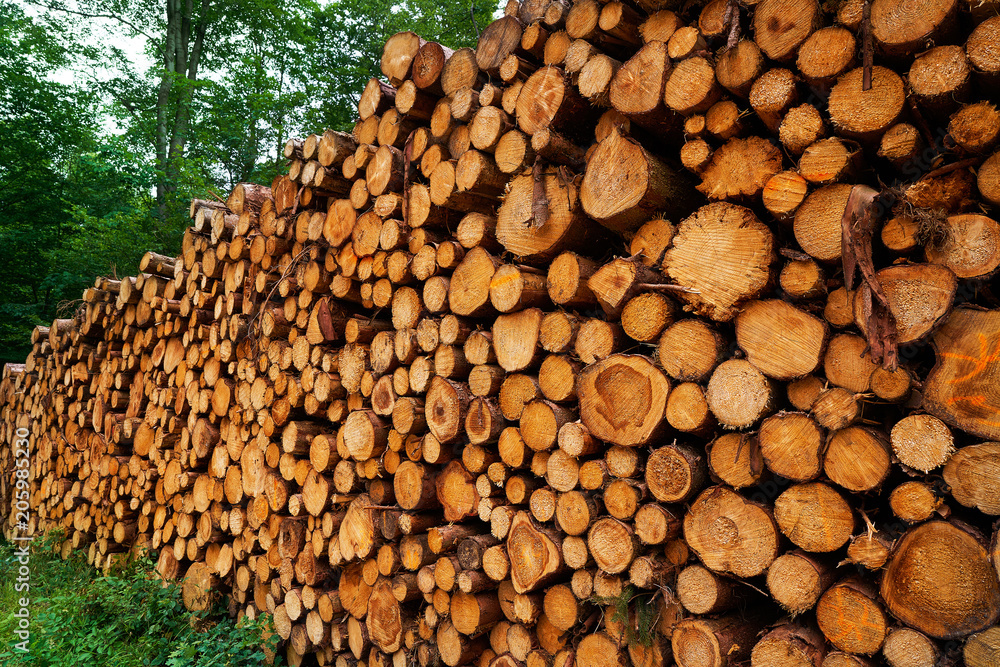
column 113, row 17
column 732, row 19
column 127, row 105
column 472, row 14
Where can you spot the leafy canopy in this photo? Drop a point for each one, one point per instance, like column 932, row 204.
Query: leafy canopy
column 87, row 184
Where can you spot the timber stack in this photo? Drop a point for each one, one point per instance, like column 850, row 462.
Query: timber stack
column 645, row 333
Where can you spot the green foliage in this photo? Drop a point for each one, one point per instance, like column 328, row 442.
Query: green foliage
column 87, row 184
column 108, row 225
column 239, row 102
column 635, row 611
column 45, row 125
column 124, row 618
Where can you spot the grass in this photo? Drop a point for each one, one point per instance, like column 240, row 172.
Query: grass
column 126, row 618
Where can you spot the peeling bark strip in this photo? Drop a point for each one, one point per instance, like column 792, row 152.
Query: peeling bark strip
column 732, row 19
column 539, row 203
column 857, row 227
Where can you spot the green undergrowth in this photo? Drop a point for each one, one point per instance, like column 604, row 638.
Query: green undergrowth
column 126, row 618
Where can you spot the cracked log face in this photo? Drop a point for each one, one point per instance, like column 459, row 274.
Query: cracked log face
column 722, row 254
column 730, row 534
column 964, row 387
column 940, row 581
column 385, row 620
column 534, row 557
column 623, row 398
column 625, row 185
column 398, row 54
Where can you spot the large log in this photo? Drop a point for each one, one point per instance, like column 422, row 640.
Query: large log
column 622, row 399
column 625, row 184
column 958, row 388
column 955, row 564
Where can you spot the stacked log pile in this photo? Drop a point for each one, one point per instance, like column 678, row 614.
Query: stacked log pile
column 642, row 334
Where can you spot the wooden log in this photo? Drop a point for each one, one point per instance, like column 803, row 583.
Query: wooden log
column 535, row 558
column 762, row 330
column 789, row 643
column 972, row 480
column 715, row 642
column 814, row 517
column 863, row 629
column 852, row 444
column 779, row 29
column 901, row 34
column 456, row 492
column 954, row 387
column 612, row 544
column 624, row 184
column 541, row 217
column 713, row 526
column 981, row 648
column 637, row 88
column 623, row 385
column 460, row 70
column 736, row 460
column 882, row 103
column 747, row 247
column 797, row 579
column 792, row 446
column 427, row 66
column 398, row 55
column 497, row 41
column 548, row 99
column 515, row 337
column 469, row 288
column 963, row 603
column 726, row 176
